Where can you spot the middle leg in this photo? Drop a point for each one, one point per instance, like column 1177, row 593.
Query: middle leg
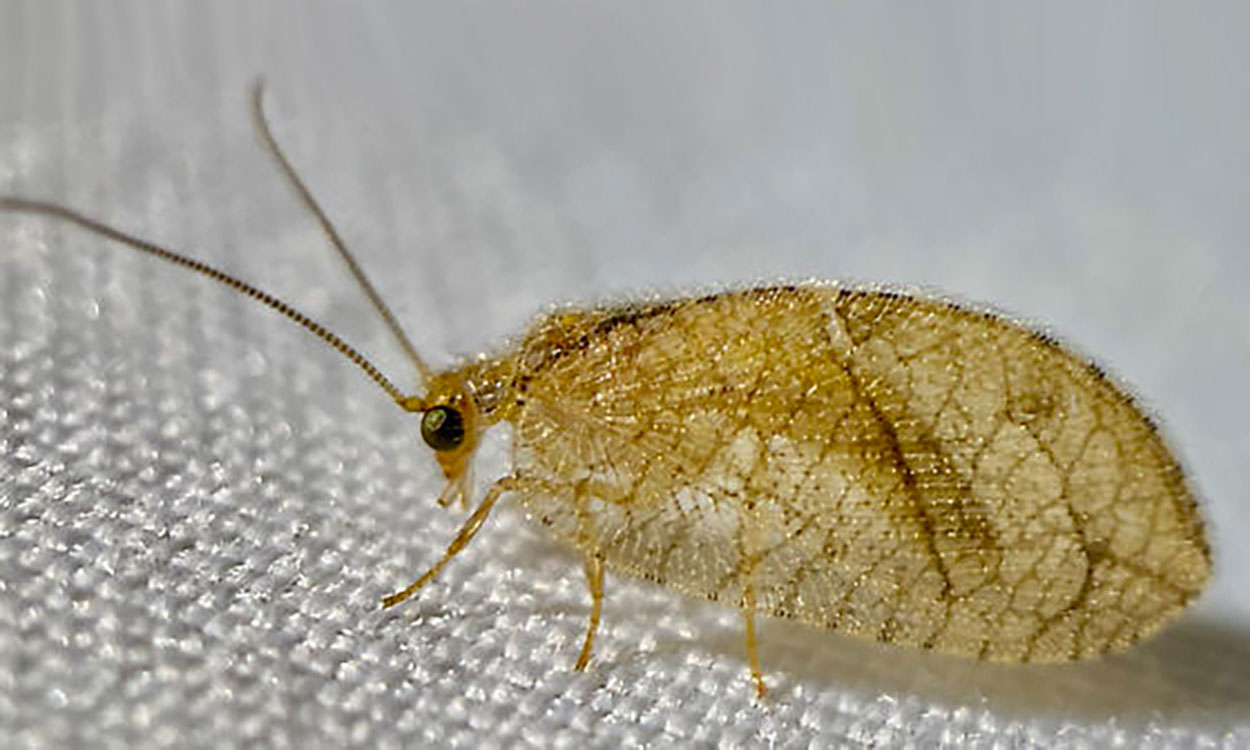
column 593, row 565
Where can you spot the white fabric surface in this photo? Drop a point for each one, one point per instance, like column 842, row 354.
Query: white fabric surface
column 200, row 507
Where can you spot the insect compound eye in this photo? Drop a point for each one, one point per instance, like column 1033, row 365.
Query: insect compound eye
column 442, row 428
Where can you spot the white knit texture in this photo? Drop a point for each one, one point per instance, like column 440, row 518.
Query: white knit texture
column 201, row 507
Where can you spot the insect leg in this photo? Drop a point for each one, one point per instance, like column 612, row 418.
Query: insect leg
column 753, row 653
column 594, row 577
column 462, row 539
column 592, row 564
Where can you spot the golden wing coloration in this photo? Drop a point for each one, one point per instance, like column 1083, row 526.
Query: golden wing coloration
column 873, row 463
column 882, row 465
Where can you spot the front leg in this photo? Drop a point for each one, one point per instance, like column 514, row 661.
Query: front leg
column 462, row 539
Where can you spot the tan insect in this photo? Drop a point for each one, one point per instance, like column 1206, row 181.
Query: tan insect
column 873, row 463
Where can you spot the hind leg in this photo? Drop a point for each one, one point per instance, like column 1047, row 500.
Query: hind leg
column 753, row 653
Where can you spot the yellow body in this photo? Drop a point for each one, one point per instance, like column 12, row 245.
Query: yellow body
column 877, row 464
column 872, row 463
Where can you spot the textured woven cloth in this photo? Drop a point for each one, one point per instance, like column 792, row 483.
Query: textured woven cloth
column 200, row 506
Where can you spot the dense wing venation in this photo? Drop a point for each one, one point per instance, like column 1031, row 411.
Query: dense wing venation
column 877, row 464
column 1048, row 446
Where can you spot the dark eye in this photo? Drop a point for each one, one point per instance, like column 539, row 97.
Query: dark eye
column 442, row 428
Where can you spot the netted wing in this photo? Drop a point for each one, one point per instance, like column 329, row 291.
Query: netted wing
column 891, row 467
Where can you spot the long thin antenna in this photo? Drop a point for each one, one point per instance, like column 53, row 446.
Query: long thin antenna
column 409, row 403
column 305, row 195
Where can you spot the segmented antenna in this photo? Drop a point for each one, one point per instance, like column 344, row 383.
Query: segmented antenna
column 305, row 195
column 410, row 403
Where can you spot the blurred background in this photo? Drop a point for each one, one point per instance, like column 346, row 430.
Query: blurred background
column 199, row 505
